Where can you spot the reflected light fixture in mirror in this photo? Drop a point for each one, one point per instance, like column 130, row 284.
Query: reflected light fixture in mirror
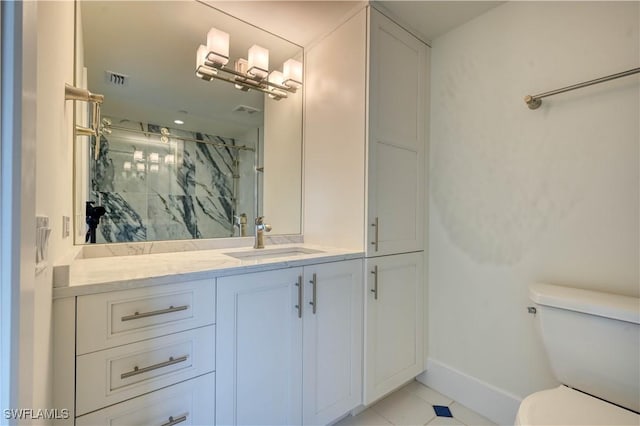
column 258, row 61
column 218, row 46
column 292, row 73
column 247, row 74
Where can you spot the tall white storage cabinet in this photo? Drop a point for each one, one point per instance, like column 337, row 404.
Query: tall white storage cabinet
column 382, row 121
column 394, row 305
column 289, row 345
column 396, row 143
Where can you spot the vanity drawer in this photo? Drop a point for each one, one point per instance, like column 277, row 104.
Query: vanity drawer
column 189, row 403
column 107, row 377
column 112, row 319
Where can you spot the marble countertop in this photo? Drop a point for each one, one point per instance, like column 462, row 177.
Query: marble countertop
column 103, row 274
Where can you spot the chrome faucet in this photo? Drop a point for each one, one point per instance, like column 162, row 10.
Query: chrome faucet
column 240, row 222
column 261, row 228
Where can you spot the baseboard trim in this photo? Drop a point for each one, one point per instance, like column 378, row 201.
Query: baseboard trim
column 487, row 400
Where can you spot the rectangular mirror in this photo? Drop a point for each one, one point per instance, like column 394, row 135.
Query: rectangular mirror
column 178, row 157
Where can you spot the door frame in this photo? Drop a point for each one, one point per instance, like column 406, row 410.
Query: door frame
column 18, row 89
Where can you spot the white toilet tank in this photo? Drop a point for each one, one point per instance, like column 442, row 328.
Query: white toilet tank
column 592, row 340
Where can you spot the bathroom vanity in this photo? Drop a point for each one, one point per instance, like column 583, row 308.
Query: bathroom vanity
column 297, row 333
column 271, row 336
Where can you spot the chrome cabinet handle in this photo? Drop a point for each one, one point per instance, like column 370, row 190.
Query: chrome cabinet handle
column 299, row 305
column 314, row 301
column 374, row 290
column 136, row 370
column 376, row 225
column 175, row 420
column 138, row 315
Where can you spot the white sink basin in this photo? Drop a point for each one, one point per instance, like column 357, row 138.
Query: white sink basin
column 271, row 253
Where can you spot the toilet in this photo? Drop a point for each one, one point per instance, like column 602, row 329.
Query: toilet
column 593, row 342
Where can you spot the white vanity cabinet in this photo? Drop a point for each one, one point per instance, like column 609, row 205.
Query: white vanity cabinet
column 396, row 142
column 289, row 345
column 137, row 356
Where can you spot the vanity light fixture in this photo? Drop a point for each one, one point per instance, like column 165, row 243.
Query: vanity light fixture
column 246, row 74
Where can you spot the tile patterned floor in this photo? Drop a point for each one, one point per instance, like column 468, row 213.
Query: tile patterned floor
column 413, row 405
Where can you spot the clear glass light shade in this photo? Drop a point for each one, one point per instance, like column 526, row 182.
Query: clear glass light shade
column 292, row 72
column 218, row 46
column 258, row 61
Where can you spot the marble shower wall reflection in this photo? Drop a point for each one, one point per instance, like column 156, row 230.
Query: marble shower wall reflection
column 173, row 190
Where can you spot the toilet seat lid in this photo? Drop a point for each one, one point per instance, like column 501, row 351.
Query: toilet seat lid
column 566, row 406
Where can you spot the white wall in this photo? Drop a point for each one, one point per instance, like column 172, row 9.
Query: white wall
column 54, row 170
column 521, row 196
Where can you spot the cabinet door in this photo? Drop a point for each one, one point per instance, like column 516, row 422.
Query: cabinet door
column 397, row 127
column 332, row 363
column 394, row 330
column 259, row 343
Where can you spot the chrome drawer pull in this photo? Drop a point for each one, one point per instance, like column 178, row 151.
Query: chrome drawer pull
column 175, row 420
column 137, row 370
column 170, row 309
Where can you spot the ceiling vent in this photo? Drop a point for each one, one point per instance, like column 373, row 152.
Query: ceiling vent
column 246, row 109
column 116, row 79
